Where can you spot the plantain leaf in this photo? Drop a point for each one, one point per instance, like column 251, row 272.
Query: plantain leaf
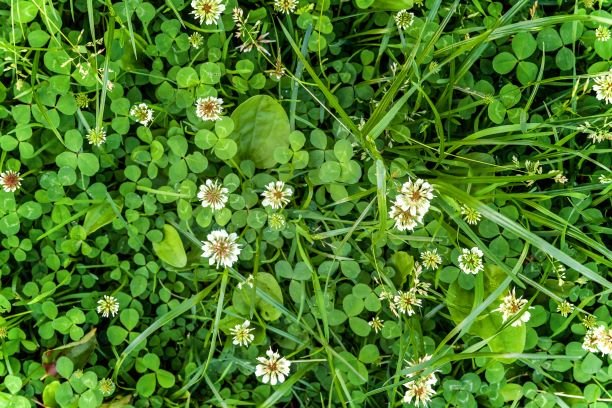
column 460, row 303
column 262, row 126
column 170, row 249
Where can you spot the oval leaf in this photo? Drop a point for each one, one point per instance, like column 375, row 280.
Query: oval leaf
column 261, row 127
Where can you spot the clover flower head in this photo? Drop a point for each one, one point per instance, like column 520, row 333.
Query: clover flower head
column 209, row 108
column 272, row 369
column 96, row 136
column 207, row 11
column 10, row 181
column 221, row 248
column 108, row 306
column 276, row 195
column 142, row 113
column 242, row 334
column 470, row 260
column 511, row 306
column 213, row 195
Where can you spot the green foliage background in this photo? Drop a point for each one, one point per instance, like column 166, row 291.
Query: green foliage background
column 363, row 106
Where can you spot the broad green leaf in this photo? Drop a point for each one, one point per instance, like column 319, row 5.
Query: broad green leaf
column 460, row 303
column 261, row 126
column 246, row 298
column 100, row 215
column 170, row 249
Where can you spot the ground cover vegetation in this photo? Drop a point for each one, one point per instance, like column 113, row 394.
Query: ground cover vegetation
column 335, row 203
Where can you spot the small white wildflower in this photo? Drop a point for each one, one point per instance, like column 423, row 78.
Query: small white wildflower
column 470, row 260
column 603, row 179
column 431, row 378
column 560, row 178
column 207, row 11
column 242, row 334
column 602, row 33
column 404, row 219
column 598, row 339
column 405, row 302
column 421, row 391
column 276, row 195
column 276, row 221
column 96, row 136
column 221, row 248
column 431, row 259
column 510, row 306
column 376, row 324
column 404, row 19
column 213, row 195
column 273, row 369
column 142, row 114
column 196, row 40
column 565, row 308
column 470, row 215
column 209, row 108
column 106, row 386
column 603, row 87
column 285, row 6
column 108, row 305
column 416, row 196
column 10, row 181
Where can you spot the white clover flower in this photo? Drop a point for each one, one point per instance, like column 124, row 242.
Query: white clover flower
column 565, row 308
column 560, row 178
column 285, row 6
column 470, row 215
column 242, row 334
column 404, row 19
column 196, row 40
column 470, row 260
column 598, row 339
column 510, row 306
column 276, row 195
column 221, row 248
column 431, row 378
column 142, row 113
column 404, row 219
column 431, row 259
column 106, row 386
column 415, row 196
column 405, row 302
column 209, row 108
column 603, row 87
column 273, row 369
column 376, row 324
column 602, row 33
column 10, row 181
column 207, row 11
column 420, row 390
column 96, row 136
column 108, row 305
column 213, row 195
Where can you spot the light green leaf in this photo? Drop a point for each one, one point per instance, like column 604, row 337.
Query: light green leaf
column 261, row 126
column 170, row 249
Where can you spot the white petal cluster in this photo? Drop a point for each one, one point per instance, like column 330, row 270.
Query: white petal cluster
column 272, row 369
column 221, row 248
column 411, row 205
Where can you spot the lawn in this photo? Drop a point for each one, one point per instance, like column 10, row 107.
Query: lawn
column 305, row 203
